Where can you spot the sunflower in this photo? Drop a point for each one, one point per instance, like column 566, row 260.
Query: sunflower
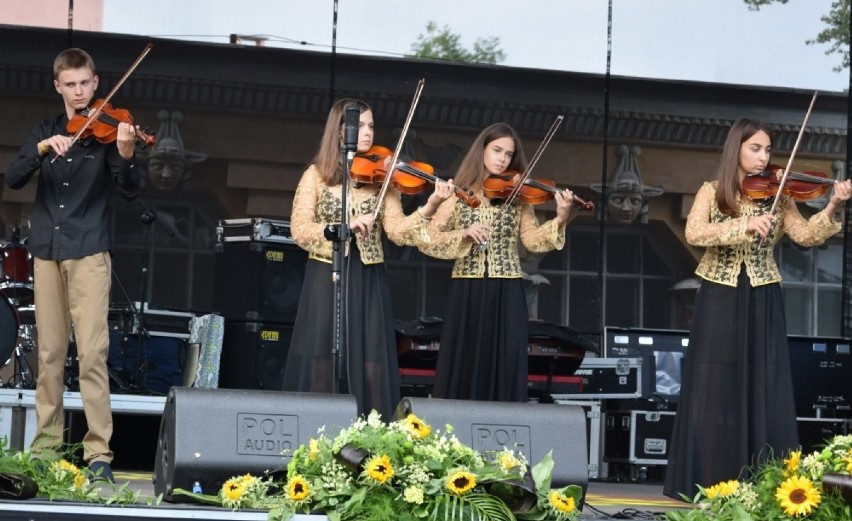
column 561, row 503
column 417, row 427
column 298, row 489
column 797, row 496
column 723, row 489
column 233, row 489
column 379, row 468
column 247, row 480
column 461, row 482
column 791, row 464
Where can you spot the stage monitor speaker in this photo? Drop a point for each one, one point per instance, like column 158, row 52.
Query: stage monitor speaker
column 211, row 435
column 532, row 428
column 254, row 355
column 258, row 281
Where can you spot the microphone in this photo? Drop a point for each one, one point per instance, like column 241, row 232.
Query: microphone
column 350, row 131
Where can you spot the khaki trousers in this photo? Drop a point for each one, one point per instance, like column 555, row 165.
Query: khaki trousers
column 73, row 293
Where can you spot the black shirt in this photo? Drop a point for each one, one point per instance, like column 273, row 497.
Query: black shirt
column 70, row 218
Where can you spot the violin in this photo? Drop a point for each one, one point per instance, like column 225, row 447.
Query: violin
column 800, row 186
column 104, row 127
column 408, row 177
column 533, row 191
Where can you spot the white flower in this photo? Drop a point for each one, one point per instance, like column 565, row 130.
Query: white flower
column 413, row 495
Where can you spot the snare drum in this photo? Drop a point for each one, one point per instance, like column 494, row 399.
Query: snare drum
column 16, row 273
column 8, row 328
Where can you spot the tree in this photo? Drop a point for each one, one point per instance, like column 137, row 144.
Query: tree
column 836, row 33
column 443, row 44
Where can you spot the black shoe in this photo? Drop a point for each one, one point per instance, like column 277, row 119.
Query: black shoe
column 101, row 471
column 17, row 486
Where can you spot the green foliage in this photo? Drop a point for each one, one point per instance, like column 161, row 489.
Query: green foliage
column 776, row 488
column 407, row 472
column 443, row 44
column 836, row 32
column 59, row 479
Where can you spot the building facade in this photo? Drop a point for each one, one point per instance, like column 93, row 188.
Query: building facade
column 245, row 121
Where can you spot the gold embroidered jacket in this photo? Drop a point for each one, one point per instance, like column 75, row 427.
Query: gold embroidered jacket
column 729, row 246
column 316, row 205
column 500, row 257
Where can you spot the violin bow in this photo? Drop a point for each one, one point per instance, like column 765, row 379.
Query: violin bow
column 93, row 115
column 790, row 160
column 417, row 91
column 528, row 170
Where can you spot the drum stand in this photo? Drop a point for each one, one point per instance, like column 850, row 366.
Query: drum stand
column 23, row 376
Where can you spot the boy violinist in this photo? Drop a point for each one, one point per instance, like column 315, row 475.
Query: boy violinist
column 70, row 243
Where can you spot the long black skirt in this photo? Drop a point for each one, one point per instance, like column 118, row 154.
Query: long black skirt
column 484, row 342
column 367, row 366
column 736, row 403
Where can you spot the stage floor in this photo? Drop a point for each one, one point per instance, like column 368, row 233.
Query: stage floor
column 604, row 501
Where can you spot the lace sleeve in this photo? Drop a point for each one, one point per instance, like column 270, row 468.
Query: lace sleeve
column 306, row 229
column 403, row 230
column 539, row 239
column 807, row 232
column 702, row 231
column 446, row 241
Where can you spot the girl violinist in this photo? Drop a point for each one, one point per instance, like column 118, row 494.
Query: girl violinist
column 369, row 357
column 483, row 353
column 736, row 405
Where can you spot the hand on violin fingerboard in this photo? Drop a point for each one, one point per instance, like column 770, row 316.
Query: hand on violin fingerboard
column 126, row 140
column 842, row 191
column 443, row 191
column 564, row 203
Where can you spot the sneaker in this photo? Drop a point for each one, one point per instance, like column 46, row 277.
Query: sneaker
column 101, row 471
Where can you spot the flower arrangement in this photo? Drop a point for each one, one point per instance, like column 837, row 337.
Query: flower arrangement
column 403, row 470
column 794, row 487
column 58, row 478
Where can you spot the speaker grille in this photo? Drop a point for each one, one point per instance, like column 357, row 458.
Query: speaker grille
column 254, row 355
column 258, row 281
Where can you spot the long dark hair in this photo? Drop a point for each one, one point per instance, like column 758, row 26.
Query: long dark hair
column 471, row 172
column 729, row 191
column 328, row 156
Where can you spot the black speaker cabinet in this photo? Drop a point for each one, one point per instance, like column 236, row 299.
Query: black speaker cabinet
column 258, row 281
column 253, row 355
column 211, row 435
column 534, row 429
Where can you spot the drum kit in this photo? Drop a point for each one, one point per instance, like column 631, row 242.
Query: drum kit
column 17, row 313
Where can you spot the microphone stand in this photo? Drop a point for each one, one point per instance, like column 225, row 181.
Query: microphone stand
column 340, row 235
column 148, row 217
